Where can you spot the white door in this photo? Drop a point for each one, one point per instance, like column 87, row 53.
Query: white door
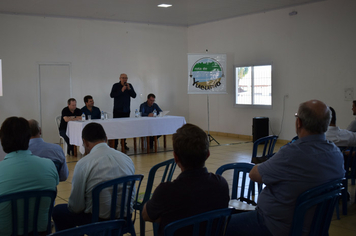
column 55, row 90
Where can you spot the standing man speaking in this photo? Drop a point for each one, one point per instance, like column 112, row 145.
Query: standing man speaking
column 122, row 93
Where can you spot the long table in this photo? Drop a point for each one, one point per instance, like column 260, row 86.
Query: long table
column 120, row 128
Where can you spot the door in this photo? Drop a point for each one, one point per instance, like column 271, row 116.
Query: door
column 55, row 90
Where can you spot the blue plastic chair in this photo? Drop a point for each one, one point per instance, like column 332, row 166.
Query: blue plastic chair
column 29, row 201
column 210, row 223
column 269, row 143
column 241, row 170
column 105, row 228
column 323, row 198
column 169, row 168
column 127, row 186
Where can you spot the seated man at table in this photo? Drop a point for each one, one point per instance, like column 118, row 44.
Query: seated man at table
column 22, row 171
column 69, row 113
column 340, row 137
column 50, row 151
column 147, row 109
column 306, row 163
column 195, row 190
column 90, row 109
column 100, row 164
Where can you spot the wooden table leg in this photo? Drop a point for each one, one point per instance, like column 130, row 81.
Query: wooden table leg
column 155, row 143
column 148, row 144
column 135, row 145
column 75, row 151
column 111, row 143
column 123, row 146
column 164, row 141
column 142, row 144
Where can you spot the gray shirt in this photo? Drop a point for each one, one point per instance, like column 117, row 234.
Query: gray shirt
column 352, row 126
column 101, row 164
column 297, row 167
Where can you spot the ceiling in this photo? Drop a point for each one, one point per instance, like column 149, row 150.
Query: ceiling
column 182, row 13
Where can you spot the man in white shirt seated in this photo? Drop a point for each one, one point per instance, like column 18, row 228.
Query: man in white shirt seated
column 100, row 164
column 341, row 137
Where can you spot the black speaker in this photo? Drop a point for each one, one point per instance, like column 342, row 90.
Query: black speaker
column 260, row 127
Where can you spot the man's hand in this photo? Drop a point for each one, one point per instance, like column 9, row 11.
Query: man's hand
column 123, row 88
column 150, row 114
column 71, row 118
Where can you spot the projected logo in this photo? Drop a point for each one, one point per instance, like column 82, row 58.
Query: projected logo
column 206, row 73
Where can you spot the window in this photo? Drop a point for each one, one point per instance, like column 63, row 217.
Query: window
column 253, row 85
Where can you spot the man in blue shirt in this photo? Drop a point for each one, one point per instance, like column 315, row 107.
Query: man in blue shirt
column 90, row 109
column 50, row 151
column 147, row 109
column 149, row 106
column 306, row 163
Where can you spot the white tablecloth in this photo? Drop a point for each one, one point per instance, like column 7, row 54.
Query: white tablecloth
column 119, row 128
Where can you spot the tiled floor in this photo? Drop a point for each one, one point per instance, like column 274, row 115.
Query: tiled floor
column 230, row 150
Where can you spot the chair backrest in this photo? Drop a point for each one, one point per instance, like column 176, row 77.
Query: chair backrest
column 169, row 168
column 105, row 228
column 323, row 198
column 26, row 207
column 269, row 143
column 58, row 121
column 240, row 181
column 210, row 223
column 127, row 185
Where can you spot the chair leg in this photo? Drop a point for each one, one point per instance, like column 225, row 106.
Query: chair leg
column 142, row 225
column 344, row 197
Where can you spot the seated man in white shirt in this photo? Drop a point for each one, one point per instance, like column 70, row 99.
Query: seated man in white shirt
column 341, row 137
column 100, row 164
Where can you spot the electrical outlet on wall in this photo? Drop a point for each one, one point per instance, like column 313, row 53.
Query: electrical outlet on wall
column 349, row 94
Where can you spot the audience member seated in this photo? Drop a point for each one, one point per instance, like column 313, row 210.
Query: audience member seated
column 100, row 164
column 22, row 171
column 147, row 109
column 352, row 125
column 306, row 163
column 51, row 151
column 90, row 109
column 341, row 137
column 69, row 113
column 195, row 190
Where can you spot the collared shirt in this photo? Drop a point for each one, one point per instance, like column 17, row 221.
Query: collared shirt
column 145, row 109
column 308, row 162
column 101, row 164
column 352, row 126
column 95, row 112
column 341, row 137
column 23, row 171
column 51, row 151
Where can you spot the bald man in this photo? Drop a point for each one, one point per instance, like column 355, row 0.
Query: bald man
column 122, row 93
column 306, row 163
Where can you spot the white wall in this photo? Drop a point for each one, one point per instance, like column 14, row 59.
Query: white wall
column 313, row 56
column 154, row 58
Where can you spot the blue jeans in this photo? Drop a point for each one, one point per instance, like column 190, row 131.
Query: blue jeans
column 64, row 219
column 247, row 224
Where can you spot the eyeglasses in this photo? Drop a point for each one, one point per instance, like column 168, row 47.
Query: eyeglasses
column 123, row 77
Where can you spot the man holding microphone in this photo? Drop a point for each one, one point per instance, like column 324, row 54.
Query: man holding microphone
column 122, row 93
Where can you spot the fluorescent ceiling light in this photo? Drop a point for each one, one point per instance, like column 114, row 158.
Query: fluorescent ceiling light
column 164, row 5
